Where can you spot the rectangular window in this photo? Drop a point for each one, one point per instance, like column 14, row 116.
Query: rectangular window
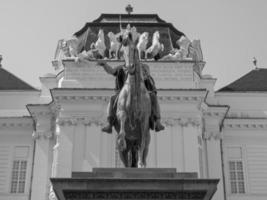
column 236, row 174
column 18, row 177
column 19, row 169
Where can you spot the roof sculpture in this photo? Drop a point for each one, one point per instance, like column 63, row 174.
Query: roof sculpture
column 159, row 40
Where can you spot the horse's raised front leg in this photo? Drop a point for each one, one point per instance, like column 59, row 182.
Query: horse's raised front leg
column 121, row 142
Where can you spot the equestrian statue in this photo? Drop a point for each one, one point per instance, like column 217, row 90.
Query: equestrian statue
column 134, row 109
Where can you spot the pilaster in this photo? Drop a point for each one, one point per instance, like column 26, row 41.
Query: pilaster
column 44, row 139
column 63, row 149
column 212, row 135
column 184, row 133
column 214, row 159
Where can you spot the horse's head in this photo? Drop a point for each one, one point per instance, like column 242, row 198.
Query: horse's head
column 128, row 46
column 100, row 34
column 156, row 36
column 144, row 37
column 111, row 36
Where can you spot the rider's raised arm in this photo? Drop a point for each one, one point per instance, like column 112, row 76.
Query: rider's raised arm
column 106, row 67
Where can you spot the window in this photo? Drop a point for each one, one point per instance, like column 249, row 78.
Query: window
column 236, row 177
column 19, row 169
column 18, row 177
column 236, row 170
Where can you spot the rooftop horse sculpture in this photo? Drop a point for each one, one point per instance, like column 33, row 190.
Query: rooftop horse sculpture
column 133, row 109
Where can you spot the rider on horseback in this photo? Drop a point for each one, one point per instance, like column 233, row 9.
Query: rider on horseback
column 120, row 72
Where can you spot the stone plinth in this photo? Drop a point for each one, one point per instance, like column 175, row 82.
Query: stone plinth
column 150, row 183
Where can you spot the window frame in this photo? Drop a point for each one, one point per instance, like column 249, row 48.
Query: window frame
column 28, row 169
column 228, row 158
column 235, row 161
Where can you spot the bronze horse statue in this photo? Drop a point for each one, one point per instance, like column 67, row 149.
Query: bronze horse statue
column 133, row 109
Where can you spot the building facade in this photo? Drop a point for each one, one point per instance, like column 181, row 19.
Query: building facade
column 55, row 131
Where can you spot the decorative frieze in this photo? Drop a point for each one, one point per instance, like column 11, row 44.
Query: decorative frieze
column 247, row 123
column 180, row 98
column 213, row 134
column 16, row 122
column 71, row 195
column 245, row 126
column 82, row 98
column 105, row 99
column 214, row 114
column 87, row 121
column 181, row 121
column 42, row 134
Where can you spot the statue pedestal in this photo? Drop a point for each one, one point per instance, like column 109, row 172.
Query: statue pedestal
column 132, row 183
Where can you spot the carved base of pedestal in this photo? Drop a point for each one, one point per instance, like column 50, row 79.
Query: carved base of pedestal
column 115, row 183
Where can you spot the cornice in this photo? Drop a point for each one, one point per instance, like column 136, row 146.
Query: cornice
column 245, row 123
column 99, row 121
column 85, row 98
column 212, row 134
column 181, row 121
column 213, row 114
column 87, row 121
column 215, row 111
column 47, row 134
column 38, row 111
column 184, row 98
column 103, row 95
column 16, row 122
column 106, row 98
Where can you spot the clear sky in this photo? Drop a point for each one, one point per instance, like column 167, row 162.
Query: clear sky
column 232, row 32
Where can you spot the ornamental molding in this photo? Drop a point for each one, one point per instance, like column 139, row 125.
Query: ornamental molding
column 100, row 121
column 212, row 134
column 16, row 122
column 68, row 98
column 71, row 195
column 104, row 94
column 42, row 134
column 38, row 111
column 215, row 111
column 182, row 121
column 214, row 114
column 194, row 99
column 43, row 114
column 105, row 99
column 245, row 124
column 87, row 121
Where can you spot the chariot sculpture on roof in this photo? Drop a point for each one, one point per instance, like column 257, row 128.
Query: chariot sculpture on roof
column 150, row 46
